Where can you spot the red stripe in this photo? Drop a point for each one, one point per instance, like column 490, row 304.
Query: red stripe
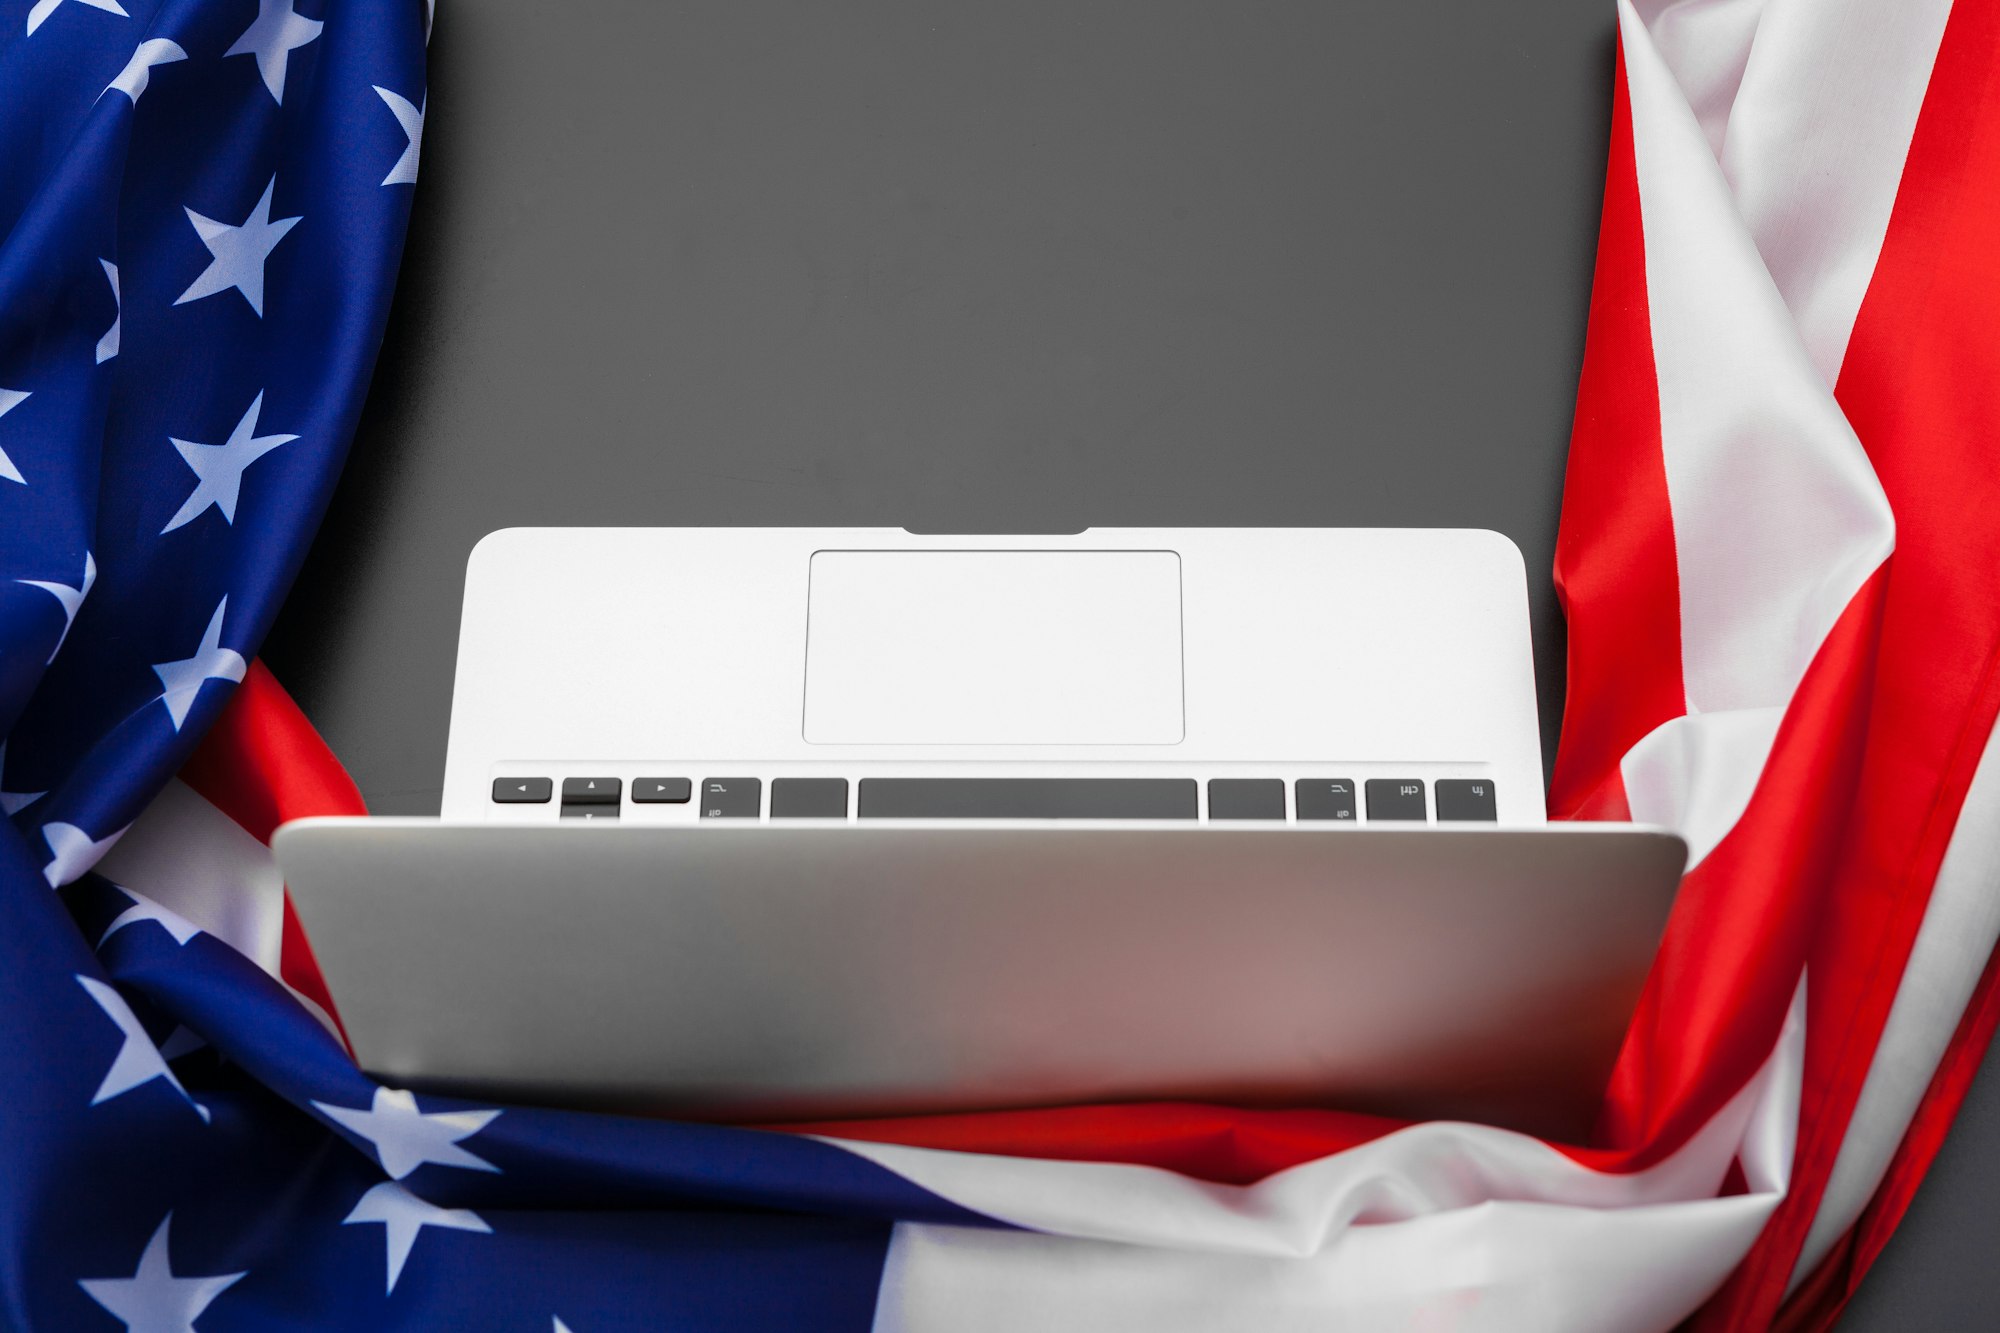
column 1604, row 803
column 1615, row 570
column 1742, row 925
column 1921, row 385
column 1222, row 1144
column 261, row 764
column 1213, row 1143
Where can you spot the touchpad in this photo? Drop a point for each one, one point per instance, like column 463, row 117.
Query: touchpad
column 994, row 648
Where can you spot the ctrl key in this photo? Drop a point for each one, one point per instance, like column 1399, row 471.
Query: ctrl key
column 1395, row 798
column 731, row 798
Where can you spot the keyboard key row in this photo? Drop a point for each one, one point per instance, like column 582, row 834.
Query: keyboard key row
column 1314, row 799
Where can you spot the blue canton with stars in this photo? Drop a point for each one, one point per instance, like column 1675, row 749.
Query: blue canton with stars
column 203, row 204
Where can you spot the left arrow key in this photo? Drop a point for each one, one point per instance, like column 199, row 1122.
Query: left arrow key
column 523, row 791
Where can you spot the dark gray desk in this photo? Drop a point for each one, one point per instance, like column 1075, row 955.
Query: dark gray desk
column 1002, row 267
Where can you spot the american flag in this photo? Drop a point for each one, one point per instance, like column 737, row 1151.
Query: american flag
column 1780, row 559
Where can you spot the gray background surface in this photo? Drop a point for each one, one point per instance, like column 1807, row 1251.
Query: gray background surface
column 1030, row 266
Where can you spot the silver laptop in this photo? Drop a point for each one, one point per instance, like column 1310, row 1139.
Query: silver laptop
column 808, row 823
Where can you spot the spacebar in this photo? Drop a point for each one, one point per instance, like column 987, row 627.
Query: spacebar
column 1027, row 798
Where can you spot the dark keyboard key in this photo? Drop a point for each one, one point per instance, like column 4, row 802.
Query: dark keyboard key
column 662, row 791
column 522, row 791
column 588, row 810
column 731, row 798
column 1246, row 798
column 590, row 791
column 1324, row 798
column 1029, row 798
column 1395, row 798
column 809, row 798
column 1465, row 798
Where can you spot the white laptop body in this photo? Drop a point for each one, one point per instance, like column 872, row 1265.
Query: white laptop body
column 781, row 823
column 1368, row 663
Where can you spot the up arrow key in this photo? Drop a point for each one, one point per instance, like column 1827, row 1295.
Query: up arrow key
column 591, row 791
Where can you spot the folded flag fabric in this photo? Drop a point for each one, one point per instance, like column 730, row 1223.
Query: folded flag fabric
column 1779, row 557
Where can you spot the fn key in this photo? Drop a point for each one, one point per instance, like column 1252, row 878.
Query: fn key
column 1465, row 798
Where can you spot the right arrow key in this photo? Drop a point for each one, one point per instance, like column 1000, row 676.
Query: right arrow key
column 662, row 791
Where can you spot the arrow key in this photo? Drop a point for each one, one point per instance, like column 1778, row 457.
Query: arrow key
column 522, row 791
column 662, row 791
column 590, row 791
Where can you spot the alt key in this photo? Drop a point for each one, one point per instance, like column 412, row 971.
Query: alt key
column 731, row 798
column 1324, row 798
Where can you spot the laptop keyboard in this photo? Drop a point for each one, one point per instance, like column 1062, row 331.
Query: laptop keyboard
column 1256, row 799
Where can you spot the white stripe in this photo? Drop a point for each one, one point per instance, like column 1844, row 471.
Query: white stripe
column 188, row 856
column 1778, row 516
column 1706, row 45
column 1696, row 773
column 1816, row 143
column 1397, row 1234
column 1500, row 1267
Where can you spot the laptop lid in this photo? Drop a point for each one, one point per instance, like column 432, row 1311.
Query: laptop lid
column 766, row 971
